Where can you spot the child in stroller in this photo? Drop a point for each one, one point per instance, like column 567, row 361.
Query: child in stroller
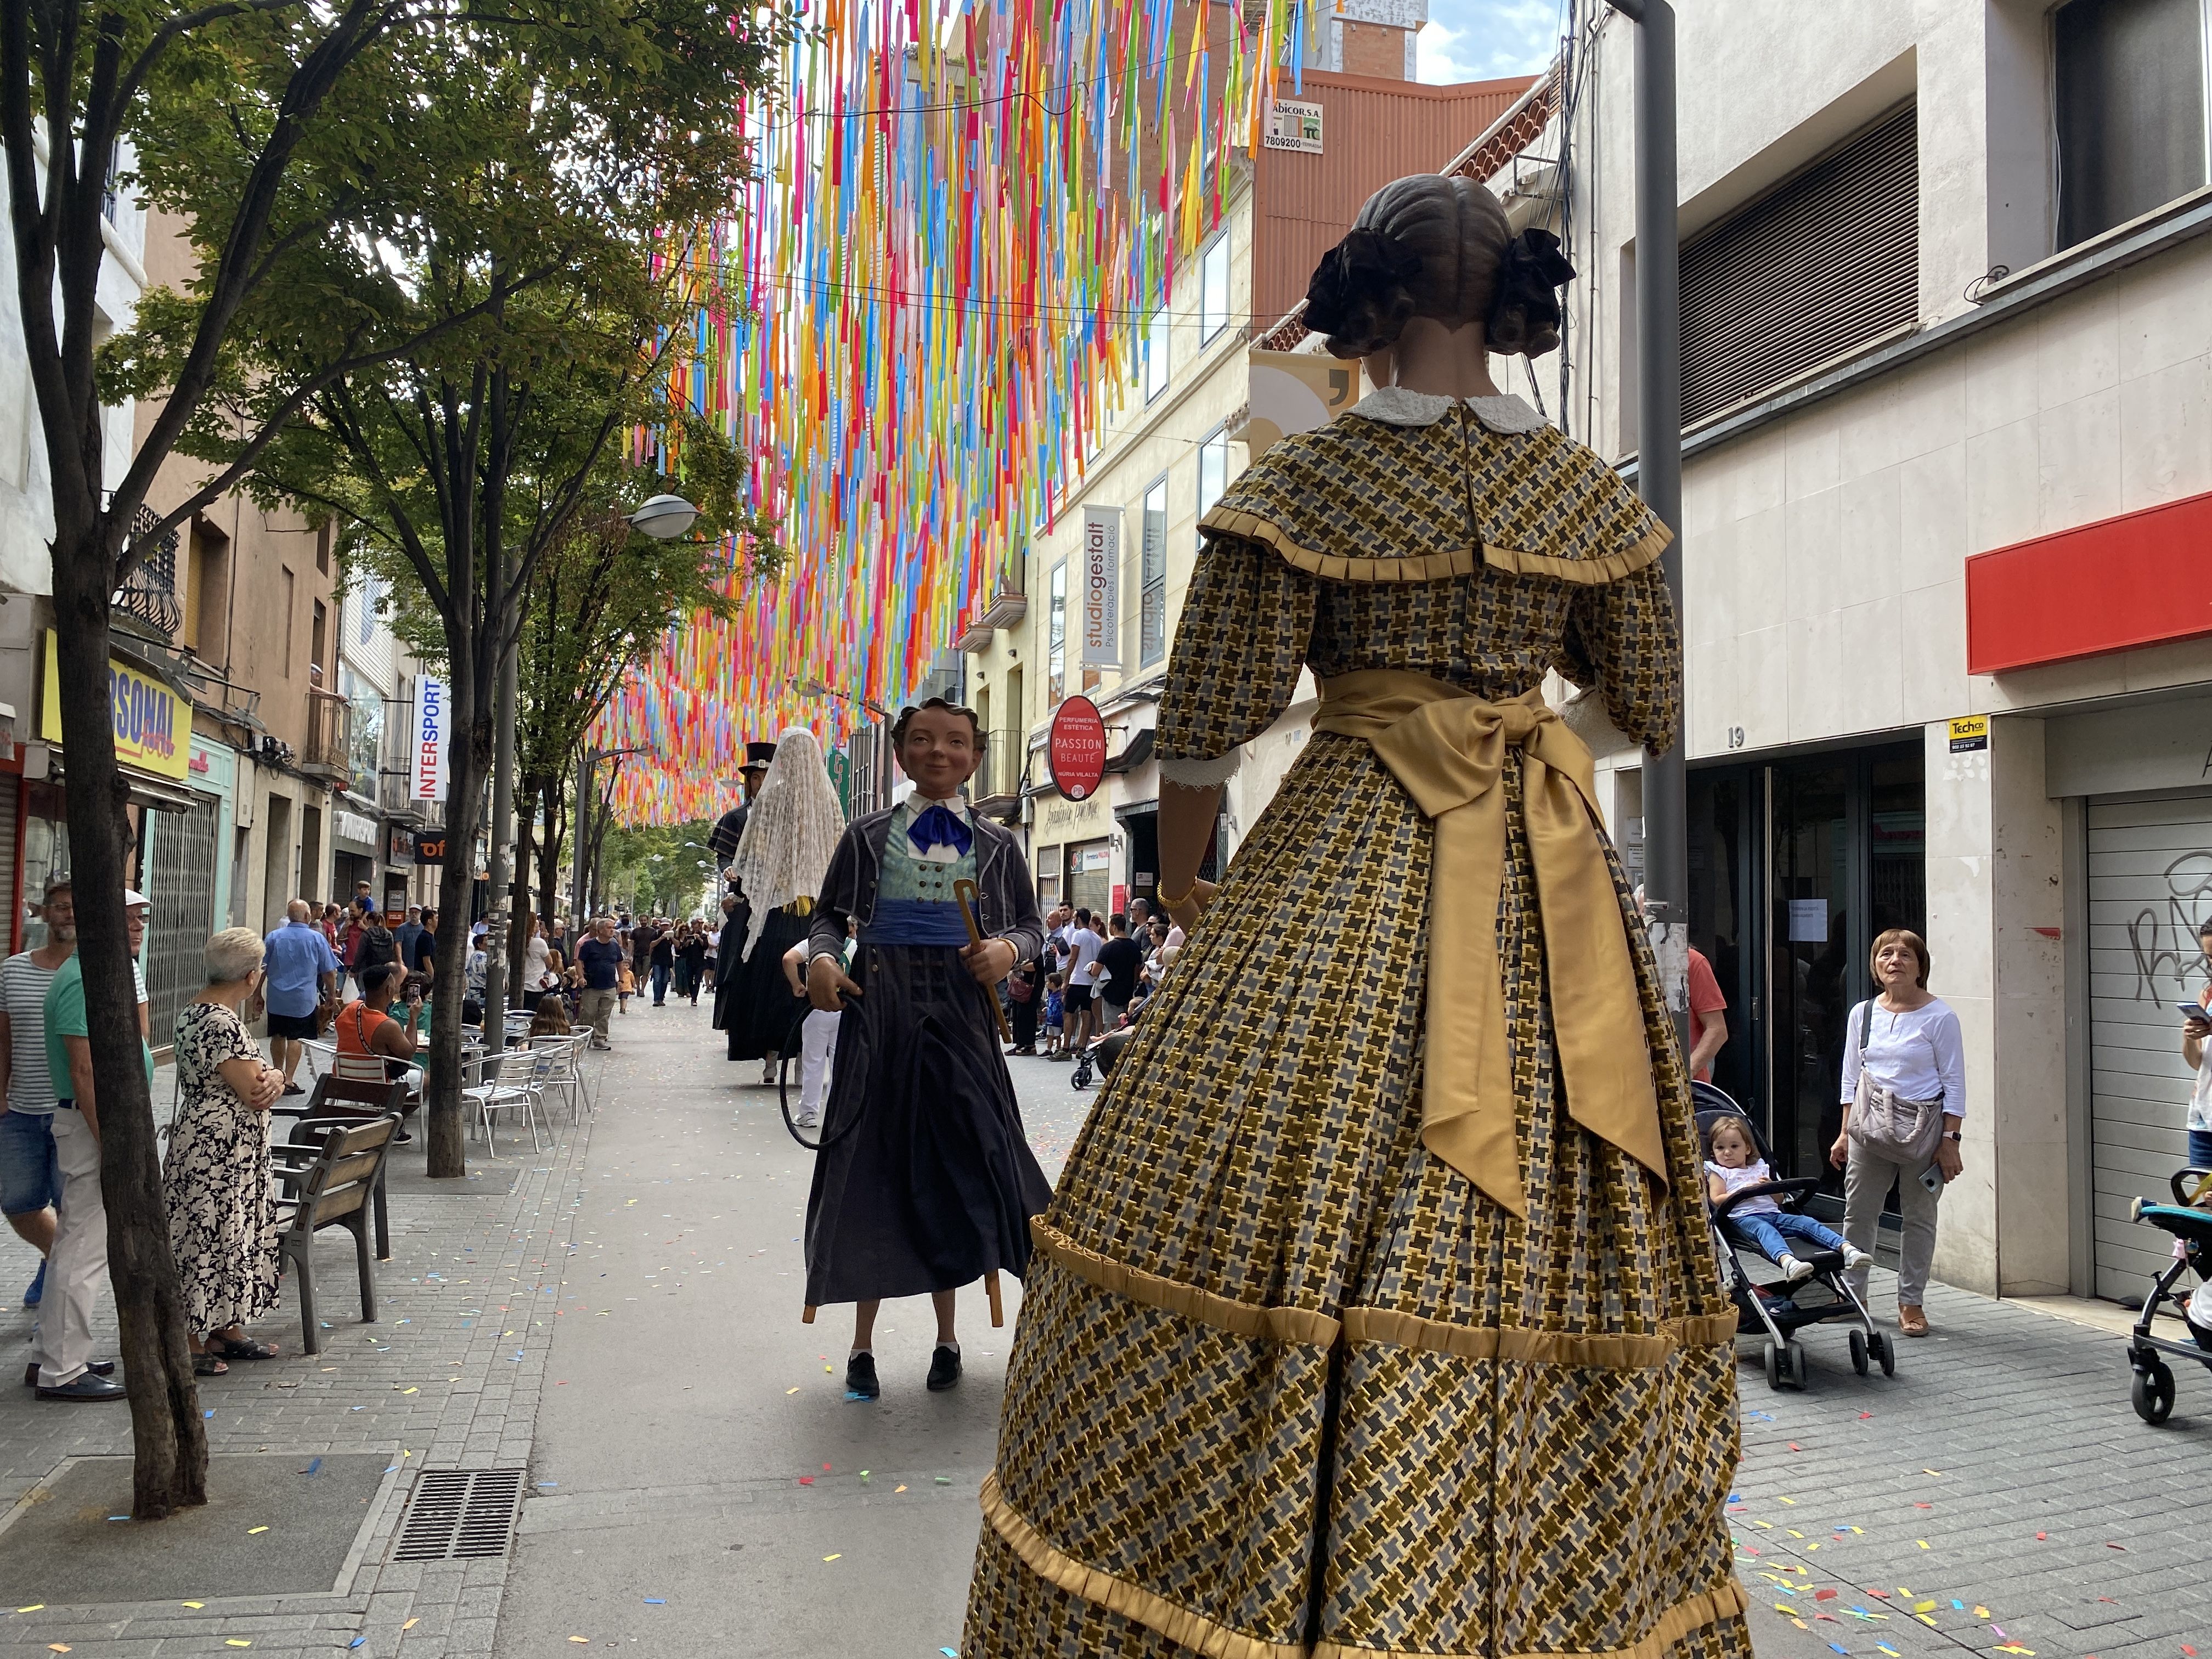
column 1732, row 1163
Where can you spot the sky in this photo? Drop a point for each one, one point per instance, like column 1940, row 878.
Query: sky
column 1478, row 39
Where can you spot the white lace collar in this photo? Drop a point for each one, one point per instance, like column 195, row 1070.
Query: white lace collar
column 1398, row 407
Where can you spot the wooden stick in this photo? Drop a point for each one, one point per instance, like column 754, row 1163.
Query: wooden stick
column 991, row 1290
column 964, row 891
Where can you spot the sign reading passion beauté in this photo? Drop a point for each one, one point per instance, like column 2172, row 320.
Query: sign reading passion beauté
column 1076, row 751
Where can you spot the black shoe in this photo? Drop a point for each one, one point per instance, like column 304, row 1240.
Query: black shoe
column 97, row 1368
column 943, row 1369
column 87, row 1386
column 402, row 1139
column 294, row 1089
column 860, row 1377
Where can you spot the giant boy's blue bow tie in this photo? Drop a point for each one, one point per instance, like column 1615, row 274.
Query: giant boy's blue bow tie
column 941, row 827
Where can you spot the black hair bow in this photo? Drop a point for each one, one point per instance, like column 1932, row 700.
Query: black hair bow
column 1365, row 265
column 1533, row 260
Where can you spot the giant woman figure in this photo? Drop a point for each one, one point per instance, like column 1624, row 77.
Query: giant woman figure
column 1375, row 1313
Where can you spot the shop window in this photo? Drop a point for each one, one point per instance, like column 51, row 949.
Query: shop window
column 1213, row 289
column 2129, row 91
column 1152, row 578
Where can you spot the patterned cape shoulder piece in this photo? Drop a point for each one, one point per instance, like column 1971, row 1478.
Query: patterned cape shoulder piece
column 1366, row 501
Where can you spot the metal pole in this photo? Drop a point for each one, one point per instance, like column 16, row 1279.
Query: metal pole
column 497, row 920
column 1659, row 466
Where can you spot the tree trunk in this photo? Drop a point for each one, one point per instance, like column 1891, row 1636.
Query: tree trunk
column 549, row 852
column 168, row 1436
column 468, row 755
column 518, row 894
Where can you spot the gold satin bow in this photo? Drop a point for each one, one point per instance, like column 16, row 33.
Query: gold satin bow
column 1445, row 746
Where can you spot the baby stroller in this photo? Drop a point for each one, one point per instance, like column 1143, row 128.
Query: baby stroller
column 1775, row 1310
column 2154, row 1384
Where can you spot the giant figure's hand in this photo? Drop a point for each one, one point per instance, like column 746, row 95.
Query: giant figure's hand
column 990, row 962
column 826, row 982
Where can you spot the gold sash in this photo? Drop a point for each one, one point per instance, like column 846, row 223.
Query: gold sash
column 1445, row 747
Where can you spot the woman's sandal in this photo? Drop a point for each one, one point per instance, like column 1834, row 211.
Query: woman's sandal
column 209, row 1364
column 232, row 1347
column 1911, row 1322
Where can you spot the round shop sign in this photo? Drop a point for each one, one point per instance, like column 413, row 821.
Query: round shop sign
column 1077, row 750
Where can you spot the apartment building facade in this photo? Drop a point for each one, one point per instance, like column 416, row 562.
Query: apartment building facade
column 1948, row 371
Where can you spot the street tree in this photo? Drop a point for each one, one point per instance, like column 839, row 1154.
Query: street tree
column 599, row 602
column 542, row 333
column 280, row 130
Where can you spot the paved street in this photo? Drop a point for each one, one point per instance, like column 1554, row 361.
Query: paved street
column 625, row 1323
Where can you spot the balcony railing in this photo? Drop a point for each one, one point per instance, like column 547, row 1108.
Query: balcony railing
column 330, row 736
column 150, row 594
column 998, row 782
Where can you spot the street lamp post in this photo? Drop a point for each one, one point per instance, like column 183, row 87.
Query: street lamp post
column 1659, row 467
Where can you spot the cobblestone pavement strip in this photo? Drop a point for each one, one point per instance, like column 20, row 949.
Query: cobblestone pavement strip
column 625, row 1323
column 449, row 1377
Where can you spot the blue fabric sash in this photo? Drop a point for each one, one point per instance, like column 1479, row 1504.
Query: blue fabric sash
column 914, row 921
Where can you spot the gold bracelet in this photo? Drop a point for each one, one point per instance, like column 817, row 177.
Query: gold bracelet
column 1171, row 900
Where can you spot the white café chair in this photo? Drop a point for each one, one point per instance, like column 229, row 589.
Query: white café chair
column 501, row 1092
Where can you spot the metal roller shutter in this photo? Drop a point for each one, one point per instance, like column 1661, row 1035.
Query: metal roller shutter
column 2150, row 885
column 180, row 884
column 1822, row 264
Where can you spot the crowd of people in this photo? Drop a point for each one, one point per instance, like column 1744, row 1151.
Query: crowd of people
column 1092, row 978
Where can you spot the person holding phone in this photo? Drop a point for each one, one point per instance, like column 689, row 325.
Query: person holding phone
column 2195, row 1028
column 1908, row 1042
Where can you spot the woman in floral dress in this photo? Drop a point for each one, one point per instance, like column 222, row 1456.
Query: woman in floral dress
column 222, row 1221
column 1374, row 1316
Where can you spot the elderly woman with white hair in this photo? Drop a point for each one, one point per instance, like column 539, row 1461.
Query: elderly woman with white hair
column 222, row 1222
column 791, row 830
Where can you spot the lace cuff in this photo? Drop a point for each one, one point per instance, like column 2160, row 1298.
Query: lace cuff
column 1201, row 774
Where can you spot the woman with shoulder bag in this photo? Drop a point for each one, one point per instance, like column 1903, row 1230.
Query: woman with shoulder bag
column 1905, row 1096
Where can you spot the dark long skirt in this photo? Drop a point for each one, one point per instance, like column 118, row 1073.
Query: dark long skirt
column 926, row 1181
column 753, row 1004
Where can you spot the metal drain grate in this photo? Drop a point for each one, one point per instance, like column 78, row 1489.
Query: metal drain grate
column 459, row 1514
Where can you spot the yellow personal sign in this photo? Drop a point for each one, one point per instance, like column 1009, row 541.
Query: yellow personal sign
column 1970, row 733
column 153, row 728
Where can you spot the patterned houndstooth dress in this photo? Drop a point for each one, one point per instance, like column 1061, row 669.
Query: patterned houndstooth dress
column 1286, row 1385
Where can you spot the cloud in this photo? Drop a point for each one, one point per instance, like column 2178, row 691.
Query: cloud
column 1482, row 39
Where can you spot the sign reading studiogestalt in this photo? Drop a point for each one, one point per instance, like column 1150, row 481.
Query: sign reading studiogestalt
column 1100, row 624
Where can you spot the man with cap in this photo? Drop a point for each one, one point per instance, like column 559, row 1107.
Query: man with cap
column 62, row 1353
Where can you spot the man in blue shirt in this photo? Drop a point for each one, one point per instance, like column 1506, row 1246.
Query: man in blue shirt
column 302, row 974
column 601, row 959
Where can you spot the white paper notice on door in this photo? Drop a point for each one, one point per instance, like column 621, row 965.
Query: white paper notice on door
column 1808, row 921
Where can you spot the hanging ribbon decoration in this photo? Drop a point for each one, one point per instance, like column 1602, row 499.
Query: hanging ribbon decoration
column 915, row 325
